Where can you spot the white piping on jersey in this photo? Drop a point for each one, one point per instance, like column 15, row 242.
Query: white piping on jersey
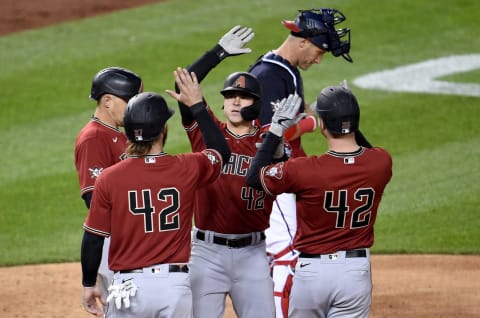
column 234, row 135
column 95, row 231
column 283, row 66
column 347, row 154
column 192, row 126
column 160, row 154
column 95, row 119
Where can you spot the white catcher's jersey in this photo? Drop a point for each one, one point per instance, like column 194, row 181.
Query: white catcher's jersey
column 283, row 223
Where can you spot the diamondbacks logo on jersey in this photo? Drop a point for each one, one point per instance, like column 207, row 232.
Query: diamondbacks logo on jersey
column 212, row 157
column 95, row 172
column 276, row 171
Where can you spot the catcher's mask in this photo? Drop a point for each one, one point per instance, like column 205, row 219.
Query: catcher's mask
column 248, row 84
column 338, row 108
column 318, row 25
column 116, row 81
column 145, row 117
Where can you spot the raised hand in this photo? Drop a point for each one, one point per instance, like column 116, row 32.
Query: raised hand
column 190, row 91
column 285, row 115
column 233, row 41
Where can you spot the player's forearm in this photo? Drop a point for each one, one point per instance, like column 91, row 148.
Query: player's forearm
column 90, row 257
column 307, row 124
column 207, row 62
column 87, row 197
column 211, row 134
column 262, row 158
column 185, row 113
column 201, row 68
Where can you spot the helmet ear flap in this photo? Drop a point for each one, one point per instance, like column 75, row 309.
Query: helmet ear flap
column 252, row 112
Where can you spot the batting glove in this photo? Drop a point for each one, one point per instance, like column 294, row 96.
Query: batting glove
column 285, row 115
column 122, row 293
column 234, row 41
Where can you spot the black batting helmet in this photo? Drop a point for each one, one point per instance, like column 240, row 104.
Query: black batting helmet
column 318, row 25
column 248, row 84
column 338, row 108
column 116, row 81
column 145, row 117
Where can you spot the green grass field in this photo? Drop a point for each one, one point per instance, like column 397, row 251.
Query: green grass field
column 430, row 206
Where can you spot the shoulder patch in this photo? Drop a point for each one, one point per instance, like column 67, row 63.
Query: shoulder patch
column 275, row 171
column 95, row 172
column 212, row 156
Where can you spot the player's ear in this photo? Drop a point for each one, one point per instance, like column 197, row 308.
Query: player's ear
column 303, row 43
column 106, row 100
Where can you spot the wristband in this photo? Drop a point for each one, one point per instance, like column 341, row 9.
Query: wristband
column 308, row 124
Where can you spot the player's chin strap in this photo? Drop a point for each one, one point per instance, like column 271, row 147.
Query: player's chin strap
column 122, row 293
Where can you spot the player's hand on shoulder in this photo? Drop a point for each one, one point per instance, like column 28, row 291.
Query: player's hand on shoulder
column 234, row 41
column 189, row 87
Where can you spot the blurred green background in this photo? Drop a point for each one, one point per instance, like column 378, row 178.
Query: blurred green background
column 430, row 206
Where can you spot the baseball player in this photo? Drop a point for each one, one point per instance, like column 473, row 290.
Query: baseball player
column 228, row 251
column 338, row 194
column 312, row 34
column 100, row 143
column 145, row 204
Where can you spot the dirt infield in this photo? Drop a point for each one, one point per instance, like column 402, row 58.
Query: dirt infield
column 421, row 286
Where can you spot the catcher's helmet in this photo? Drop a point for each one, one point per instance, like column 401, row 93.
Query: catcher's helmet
column 245, row 83
column 338, row 108
column 145, row 117
column 318, row 25
column 116, row 81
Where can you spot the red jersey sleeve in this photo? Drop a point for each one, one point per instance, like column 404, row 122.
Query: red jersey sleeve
column 98, row 218
column 96, row 148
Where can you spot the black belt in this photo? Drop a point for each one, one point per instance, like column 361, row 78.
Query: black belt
column 232, row 243
column 172, row 268
column 348, row 254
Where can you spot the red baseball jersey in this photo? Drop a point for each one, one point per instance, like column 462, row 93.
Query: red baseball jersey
column 145, row 204
column 228, row 205
column 97, row 147
column 337, row 195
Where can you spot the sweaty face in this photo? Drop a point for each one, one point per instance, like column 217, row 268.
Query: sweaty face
column 233, row 102
column 309, row 55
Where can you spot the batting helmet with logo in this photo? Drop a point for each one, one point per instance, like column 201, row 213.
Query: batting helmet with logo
column 338, row 108
column 248, row 84
column 145, row 117
column 318, row 25
column 116, row 81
